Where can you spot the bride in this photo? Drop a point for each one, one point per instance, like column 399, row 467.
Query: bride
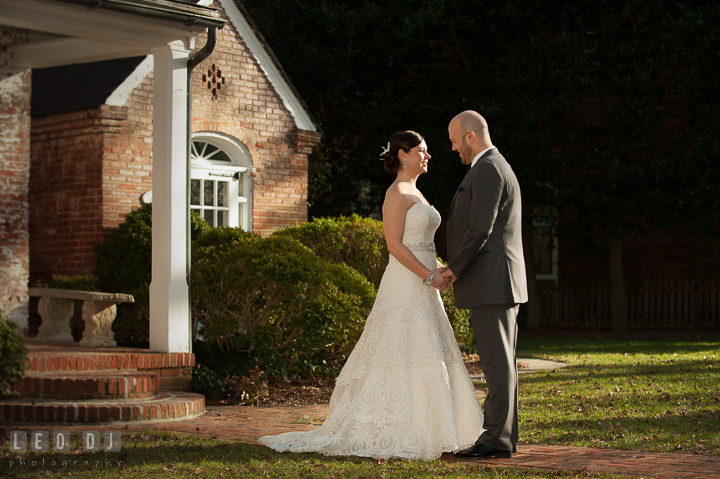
column 404, row 390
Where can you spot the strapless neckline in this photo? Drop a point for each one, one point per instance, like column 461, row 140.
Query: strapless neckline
column 423, row 204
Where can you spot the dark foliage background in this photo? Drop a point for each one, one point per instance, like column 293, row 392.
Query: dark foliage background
column 605, row 109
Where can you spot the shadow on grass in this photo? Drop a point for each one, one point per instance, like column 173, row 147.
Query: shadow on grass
column 149, row 453
column 584, row 372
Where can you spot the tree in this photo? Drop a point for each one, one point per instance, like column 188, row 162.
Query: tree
column 577, row 94
column 634, row 58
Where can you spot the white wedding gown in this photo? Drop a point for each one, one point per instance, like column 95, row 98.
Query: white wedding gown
column 404, row 391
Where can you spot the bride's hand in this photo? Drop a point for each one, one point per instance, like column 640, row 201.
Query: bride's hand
column 441, row 281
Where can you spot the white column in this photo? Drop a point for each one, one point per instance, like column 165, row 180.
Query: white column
column 169, row 314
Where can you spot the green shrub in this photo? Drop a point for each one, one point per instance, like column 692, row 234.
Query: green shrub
column 124, row 265
column 334, row 319
column 274, row 302
column 356, row 241
column 460, row 322
column 207, row 382
column 13, row 357
column 79, row 283
column 222, row 238
column 360, row 243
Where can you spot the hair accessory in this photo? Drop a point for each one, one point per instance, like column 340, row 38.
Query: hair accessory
column 385, row 150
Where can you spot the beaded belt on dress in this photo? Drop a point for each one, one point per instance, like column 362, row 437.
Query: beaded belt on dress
column 425, row 247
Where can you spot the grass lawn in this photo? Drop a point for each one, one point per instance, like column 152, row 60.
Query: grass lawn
column 158, row 455
column 661, row 396
column 646, row 395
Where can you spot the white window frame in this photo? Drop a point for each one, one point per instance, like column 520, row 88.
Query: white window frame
column 240, row 211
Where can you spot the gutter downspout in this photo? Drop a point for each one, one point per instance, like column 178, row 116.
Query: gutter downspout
column 193, row 61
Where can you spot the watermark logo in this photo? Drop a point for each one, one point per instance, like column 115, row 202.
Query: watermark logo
column 39, row 441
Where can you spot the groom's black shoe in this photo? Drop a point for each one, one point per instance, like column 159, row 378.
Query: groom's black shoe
column 481, row 450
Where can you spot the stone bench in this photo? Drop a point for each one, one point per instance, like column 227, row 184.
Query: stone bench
column 98, row 312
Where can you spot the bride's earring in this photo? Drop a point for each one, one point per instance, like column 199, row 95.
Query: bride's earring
column 405, row 166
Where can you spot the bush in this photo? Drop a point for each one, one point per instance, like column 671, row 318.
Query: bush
column 13, row 357
column 460, row 322
column 78, row 283
column 274, row 302
column 356, row 241
column 360, row 243
column 124, row 265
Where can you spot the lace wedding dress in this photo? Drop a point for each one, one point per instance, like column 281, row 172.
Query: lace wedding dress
column 404, row 391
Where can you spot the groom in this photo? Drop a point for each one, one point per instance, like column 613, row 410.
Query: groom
column 487, row 270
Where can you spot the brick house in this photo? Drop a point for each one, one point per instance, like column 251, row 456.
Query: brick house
column 87, row 151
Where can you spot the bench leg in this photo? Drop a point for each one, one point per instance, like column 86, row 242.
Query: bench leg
column 55, row 314
column 98, row 317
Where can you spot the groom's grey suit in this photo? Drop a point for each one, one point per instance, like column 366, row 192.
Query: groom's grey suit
column 484, row 243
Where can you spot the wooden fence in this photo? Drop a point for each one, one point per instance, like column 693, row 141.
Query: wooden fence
column 658, row 304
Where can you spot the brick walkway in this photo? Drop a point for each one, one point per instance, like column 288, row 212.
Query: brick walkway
column 250, row 423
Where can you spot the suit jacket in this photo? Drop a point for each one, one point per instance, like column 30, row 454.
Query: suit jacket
column 484, row 236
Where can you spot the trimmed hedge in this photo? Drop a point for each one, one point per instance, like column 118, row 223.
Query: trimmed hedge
column 353, row 240
column 276, row 303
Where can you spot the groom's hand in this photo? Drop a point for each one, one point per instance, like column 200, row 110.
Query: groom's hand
column 449, row 276
column 440, row 282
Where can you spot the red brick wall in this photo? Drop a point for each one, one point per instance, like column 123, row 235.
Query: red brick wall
column 655, row 254
column 248, row 108
column 65, row 194
column 89, row 168
column 14, row 174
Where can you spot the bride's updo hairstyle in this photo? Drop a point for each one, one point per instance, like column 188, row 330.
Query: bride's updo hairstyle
column 402, row 140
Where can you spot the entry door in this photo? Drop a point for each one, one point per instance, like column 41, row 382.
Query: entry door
column 212, row 191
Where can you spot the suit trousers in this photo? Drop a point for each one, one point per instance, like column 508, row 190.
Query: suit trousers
column 495, row 327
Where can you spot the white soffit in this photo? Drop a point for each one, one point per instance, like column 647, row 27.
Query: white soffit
column 290, row 100
column 65, row 51
column 94, row 24
column 121, row 93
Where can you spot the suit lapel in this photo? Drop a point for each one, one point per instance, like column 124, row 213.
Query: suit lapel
column 491, row 151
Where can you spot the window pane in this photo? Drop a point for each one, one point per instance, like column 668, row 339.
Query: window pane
column 195, row 192
column 222, row 218
column 209, row 196
column 209, row 150
column 222, row 189
column 241, row 185
column 220, row 156
column 208, row 215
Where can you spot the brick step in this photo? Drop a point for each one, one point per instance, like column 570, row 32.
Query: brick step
column 43, row 411
column 45, row 357
column 175, row 369
column 119, row 385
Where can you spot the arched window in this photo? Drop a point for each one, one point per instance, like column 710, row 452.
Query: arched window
column 220, row 180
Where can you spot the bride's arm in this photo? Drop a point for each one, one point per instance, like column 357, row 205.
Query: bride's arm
column 394, row 211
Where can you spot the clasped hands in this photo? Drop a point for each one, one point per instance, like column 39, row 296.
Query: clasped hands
column 444, row 278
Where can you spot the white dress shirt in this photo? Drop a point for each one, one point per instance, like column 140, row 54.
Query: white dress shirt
column 477, row 157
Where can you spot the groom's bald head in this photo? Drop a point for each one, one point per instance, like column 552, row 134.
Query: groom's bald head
column 472, row 121
column 469, row 134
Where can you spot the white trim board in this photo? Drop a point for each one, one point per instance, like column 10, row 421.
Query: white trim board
column 123, row 91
